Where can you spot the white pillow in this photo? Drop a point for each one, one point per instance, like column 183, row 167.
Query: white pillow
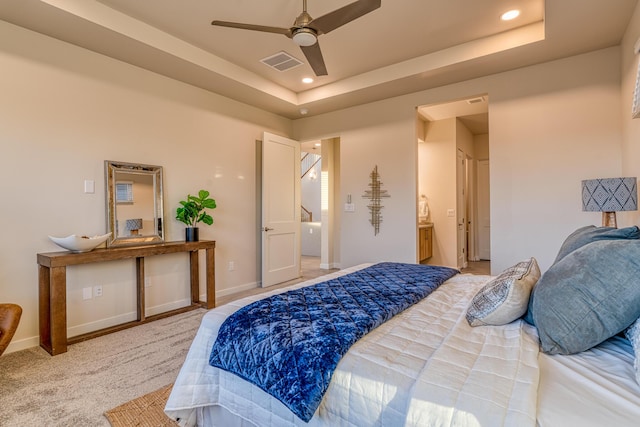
column 633, row 334
column 505, row 298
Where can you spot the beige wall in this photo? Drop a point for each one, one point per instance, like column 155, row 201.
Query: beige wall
column 550, row 126
column 382, row 134
column 630, row 127
column 63, row 111
column 481, row 146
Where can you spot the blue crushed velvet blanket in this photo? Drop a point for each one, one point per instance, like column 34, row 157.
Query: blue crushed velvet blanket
column 290, row 344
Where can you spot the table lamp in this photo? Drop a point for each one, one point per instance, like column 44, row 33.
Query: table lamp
column 609, row 195
column 133, row 225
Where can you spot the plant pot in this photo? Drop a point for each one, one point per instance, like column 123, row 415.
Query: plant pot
column 191, row 234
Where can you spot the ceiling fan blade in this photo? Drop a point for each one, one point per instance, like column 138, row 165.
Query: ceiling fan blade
column 344, row 15
column 314, row 56
column 263, row 28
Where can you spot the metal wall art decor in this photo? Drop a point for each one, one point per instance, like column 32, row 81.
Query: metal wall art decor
column 375, row 194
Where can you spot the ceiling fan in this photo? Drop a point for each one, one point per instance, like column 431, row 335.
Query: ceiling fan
column 305, row 29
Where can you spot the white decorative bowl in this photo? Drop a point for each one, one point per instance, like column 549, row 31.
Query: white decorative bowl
column 79, row 244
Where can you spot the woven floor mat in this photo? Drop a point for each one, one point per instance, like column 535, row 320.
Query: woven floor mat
column 144, row 411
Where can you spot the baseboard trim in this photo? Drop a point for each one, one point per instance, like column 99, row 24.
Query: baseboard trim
column 30, row 342
column 23, row 344
column 329, row 266
column 124, row 318
column 236, row 289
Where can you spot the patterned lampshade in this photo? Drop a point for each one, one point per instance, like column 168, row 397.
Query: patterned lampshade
column 610, row 195
column 133, row 224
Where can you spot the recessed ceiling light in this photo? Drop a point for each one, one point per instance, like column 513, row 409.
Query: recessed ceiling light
column 512, row 14
column 304, row 111
column 317, row 144
column 307, row 80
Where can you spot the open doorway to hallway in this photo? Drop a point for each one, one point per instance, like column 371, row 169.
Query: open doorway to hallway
column 311, row 200
column 319, row 181
column 453, row 178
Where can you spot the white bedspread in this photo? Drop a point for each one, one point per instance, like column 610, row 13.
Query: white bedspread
column 594, row 388
column 424, row 367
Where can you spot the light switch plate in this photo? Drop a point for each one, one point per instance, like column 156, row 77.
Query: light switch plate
column 89, row 186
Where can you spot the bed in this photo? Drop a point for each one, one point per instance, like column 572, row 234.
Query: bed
column 426, row 366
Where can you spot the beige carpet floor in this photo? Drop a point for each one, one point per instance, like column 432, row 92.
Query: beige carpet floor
column 77, row 387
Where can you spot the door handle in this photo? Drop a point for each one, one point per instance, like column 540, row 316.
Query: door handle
column 268, row 229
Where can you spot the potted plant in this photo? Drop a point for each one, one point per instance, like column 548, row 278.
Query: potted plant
column 192, row 211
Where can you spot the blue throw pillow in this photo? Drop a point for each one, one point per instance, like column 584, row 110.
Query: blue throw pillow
column 591, row 233
column 583, row 236
column 590, row 295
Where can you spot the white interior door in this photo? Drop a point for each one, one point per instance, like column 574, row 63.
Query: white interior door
column 484, row 211
column 280, row 209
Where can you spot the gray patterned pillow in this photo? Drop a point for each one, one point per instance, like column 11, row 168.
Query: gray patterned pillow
column 633, row 334
column 505, row 298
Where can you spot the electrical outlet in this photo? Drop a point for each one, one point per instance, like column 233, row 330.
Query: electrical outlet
column 97, row 291
column 86, row 293
column 232, row 265
column 147, row 282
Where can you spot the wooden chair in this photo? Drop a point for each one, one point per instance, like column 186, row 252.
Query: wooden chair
column 9, row 319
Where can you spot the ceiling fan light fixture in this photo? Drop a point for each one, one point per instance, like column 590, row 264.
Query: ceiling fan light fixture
column 305, row 37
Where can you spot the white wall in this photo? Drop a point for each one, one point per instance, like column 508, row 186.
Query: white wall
column 63, row 111
column 550, row 125
column 310, row 237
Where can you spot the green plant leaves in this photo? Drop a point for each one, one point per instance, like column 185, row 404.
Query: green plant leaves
column 193, row 211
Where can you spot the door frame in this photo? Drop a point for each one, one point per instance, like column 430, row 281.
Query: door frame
column 461, row 208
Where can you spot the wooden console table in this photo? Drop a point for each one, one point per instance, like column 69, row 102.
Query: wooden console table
column 52, row 278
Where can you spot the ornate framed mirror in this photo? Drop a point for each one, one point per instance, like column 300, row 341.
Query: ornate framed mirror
column 134, row 203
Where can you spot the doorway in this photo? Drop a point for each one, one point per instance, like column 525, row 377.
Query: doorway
column 453, row 165
column 310, row 199
column 320, row 181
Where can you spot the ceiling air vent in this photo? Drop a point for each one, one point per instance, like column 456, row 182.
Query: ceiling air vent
column 475, row 100
column 281, row 61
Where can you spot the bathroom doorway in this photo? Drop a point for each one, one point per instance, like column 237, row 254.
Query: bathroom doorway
column 453, row 138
